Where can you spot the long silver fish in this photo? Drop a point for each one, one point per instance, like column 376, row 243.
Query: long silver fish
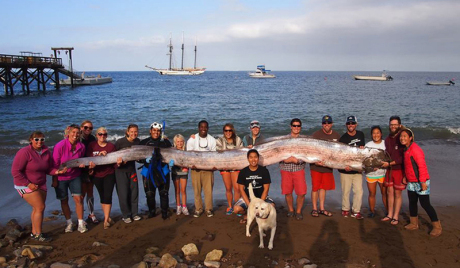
column 332, row 154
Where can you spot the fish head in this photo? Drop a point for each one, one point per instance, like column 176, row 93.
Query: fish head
column 376, row 160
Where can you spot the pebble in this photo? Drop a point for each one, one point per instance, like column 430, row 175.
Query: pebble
column 214, row 255
column 2, row 260
column 99, row 244
column 303, row 261
column 310, row 266
column 213, row 264
column 62, row 265
column 190, row 249
column 152, row 250
column 167, row 261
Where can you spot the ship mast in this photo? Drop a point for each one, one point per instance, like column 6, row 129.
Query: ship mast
column 182, row 61
column 170, row 51
column 194, row 65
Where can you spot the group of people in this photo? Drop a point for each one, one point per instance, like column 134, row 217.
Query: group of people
column 407, row 169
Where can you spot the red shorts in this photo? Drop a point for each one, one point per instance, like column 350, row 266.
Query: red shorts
column 293, row 181
column 396, row 179
column 322, row 181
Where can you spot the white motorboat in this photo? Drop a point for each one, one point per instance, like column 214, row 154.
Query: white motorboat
column 181, row 70
column 450, row 83
column 88, row 80
column 261, row 72
column 383, row 77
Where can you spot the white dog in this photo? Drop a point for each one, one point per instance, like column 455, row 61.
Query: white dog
column 265, row 215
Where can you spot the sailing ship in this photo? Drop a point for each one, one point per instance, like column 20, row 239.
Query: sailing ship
column 181, row 70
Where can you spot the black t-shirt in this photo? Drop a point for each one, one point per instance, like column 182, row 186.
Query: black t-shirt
column 122, row 144
column 357, row 140
column 258, row 178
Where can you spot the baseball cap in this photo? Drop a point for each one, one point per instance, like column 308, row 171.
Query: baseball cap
column 352, row 119
column 327, row 118
column 156, row 125
column 254, row 124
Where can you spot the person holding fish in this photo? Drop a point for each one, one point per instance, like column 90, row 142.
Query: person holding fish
column 228, row 142
column 180, row 177
column 255, row 137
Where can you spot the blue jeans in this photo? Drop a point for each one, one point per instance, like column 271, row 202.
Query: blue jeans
column 74, row 185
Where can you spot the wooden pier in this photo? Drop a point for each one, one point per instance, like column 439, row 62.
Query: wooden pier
column 29, row 67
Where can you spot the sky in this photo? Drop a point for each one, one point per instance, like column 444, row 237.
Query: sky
column 233, row 35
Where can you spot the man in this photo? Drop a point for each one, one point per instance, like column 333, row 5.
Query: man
column 293, row 177
column 394, row 175
column 253, row 138
column 87, row 186
column 202, row 180
column 156, row 179
column 322, row 178
column 260, row 179
column 352, row 179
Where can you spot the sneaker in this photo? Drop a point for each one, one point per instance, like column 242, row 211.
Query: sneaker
column 209, row 213
column 92, row 218
column 229, row 211
column 345, row 213
column 299, row 216
column 82, row 228
column 185, row 211
column 197, row 213
column 137, row 218
column 69, row 228
column 42, row 238
column 179, row 210
column 357, row 216
column 371, row 215
column 127, row 220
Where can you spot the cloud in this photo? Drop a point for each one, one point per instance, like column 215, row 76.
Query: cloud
column 141, row 42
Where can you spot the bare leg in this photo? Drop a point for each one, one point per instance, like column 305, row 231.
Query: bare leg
column 314, row 200
column 177, row 190
column 398, row 203
column 236, row 190
column 65, row 208
column 106, row 209
column 299, row 203
column 372, row 190
column 183, row 187
column 322, row 198
column 228, row 187
column 78, row 206
column 391, row 201
column 289, row 202
column 383, row 190
column 37, row 200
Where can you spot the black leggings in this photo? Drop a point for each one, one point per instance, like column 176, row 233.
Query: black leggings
column 105, row 187
column 424, row 201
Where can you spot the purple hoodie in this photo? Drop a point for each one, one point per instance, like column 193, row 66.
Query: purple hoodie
column 31, row 167
column 62, row 153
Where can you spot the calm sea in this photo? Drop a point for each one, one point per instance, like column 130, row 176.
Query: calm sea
column 221, row 97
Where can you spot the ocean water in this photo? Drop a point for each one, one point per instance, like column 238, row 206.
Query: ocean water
column 221, row 97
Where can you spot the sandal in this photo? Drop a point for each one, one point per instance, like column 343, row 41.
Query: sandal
column 314, row 213
column 291, row 214
column 386, row 218
column 394, row 222
column 325, row 213
column 243, row 221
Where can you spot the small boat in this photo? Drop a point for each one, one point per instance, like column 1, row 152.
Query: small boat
column 88, row 80
column 181, row 70
column 450, row 83
column 261, row 73
column 383, row 77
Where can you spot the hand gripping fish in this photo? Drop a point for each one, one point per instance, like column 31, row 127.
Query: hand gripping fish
column 331, row 154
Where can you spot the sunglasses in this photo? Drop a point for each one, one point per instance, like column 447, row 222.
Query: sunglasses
column 102, row 134
column 351, row 123
column 296, row 125
column 86, row 128
column 39, row 139
column 228, row 130
column 327, row 123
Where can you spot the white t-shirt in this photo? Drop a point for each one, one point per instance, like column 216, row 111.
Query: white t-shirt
column 381, row 172
column 201, row 144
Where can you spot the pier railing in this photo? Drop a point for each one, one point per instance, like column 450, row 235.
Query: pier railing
column 16, row 61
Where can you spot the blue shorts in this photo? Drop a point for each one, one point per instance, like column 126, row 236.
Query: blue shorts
column 243, row 204
column 74, row 185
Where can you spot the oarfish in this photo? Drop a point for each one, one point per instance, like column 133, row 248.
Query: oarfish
column 331, row 154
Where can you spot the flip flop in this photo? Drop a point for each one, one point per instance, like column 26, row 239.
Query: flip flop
column 314, row 213
column 386, row 218
column 325, row 213
column 394, row 222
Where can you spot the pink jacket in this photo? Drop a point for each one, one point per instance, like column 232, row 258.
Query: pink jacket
column 31, row 167
column 62, row 153
column 414, row 164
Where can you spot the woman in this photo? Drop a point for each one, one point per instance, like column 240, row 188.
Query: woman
column 29, row 169
column 376, row 177
column 87, row 185
column 179, row 177
column 418, row 183
column 227, row 142
column 67, row 149
column 104, row 175
column 126, row 178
